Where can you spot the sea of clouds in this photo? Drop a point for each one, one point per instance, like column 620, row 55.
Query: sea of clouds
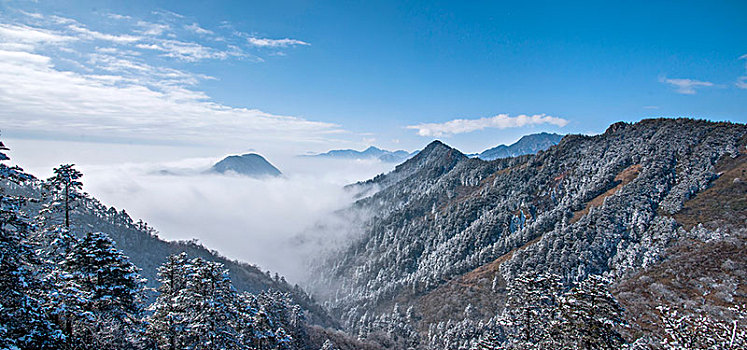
column 277, row 223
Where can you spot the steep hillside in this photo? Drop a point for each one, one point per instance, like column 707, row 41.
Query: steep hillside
column 706, row 271
column 448, row 231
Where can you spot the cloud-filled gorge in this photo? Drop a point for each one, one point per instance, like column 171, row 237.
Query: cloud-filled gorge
column 271, row 222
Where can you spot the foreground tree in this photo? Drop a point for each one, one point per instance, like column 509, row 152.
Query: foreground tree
column 110, row 294
column 168, row 322
column 539, row 315
column 23, row 322
column 198, row 308
column 531, row 310
column 590, row 316
column 699, row 330
column 65, row 187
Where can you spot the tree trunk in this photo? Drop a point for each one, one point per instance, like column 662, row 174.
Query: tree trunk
column 67, row 207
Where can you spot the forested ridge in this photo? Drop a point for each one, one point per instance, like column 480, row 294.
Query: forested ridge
column 449, row 236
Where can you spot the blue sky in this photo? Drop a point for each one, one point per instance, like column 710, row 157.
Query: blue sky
column 299, row 76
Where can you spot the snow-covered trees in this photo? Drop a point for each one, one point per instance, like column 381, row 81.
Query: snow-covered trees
column 698, row 330
column 198, row 308
column 531, row 309
column 65, row 187
column 62, row 288
column 109, row 294
column 211, row 301
column 23, row 321
column 590, row 316
column 167, row 324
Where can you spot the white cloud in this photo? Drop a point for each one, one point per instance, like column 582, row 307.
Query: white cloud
column 34, row 96
column 190, row 51
column 94, row 35
column 60, row 77
column 263, row 42
column 742, row 82
column 17, row 34
column 195, row 28
column 239, row 216
column 500, row 121
column 117, row 16
column 152, row 29
column 167, row 14
column 686, row 86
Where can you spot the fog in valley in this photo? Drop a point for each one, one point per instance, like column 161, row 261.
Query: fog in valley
column 276, row 223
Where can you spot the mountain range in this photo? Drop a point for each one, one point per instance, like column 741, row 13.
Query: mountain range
column 656, row 210
column 527, row 144
column 649, row 206
column 369, row 153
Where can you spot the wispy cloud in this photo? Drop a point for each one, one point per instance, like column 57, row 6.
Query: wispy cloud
column 742, row 81
column 117, row 16
column 264, row 42
column 686, row 86
column 36, row 96
column 500, row 121
column 16, row 34
column 62, row 77
column 94, row 35
column 195, row 28
column 152, row 29
column 190, row 51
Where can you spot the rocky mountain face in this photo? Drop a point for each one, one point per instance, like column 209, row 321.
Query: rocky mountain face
column 527, row 144
column 250, row 164
column 445, row 233
column 368, row 153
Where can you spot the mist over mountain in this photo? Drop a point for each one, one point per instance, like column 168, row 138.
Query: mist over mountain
column 250, row 164
column 527, row 144
column 369, row 153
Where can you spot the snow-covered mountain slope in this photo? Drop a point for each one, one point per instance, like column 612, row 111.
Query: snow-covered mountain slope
column 603, row 204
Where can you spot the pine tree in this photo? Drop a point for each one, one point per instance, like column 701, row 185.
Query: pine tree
column 211, row 300
column 589, row 316
column 696, row 329
column 113, row 290
column 23, row 322
column 65, row 186
column 489, row 341
column 167, row 324
column 531, row 307
column 328, row 345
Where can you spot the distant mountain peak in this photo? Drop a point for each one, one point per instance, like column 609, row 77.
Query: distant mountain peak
column 249, row 164
column 372, row 152
column 436, row 146
column 527, row 144
column 436, row 154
